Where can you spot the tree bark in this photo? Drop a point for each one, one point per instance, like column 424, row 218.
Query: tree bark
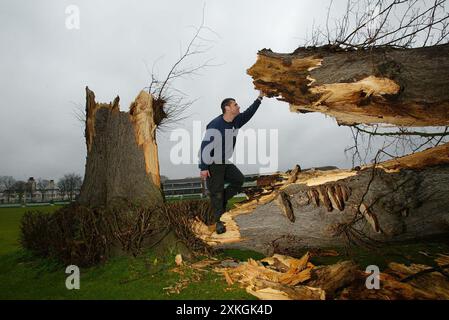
column 122, row 158
column 404, row 87
column 396, row 200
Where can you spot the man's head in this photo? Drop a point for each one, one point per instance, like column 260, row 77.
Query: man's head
column 230, row 106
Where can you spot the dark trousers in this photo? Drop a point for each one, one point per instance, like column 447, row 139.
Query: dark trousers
column 219, row 195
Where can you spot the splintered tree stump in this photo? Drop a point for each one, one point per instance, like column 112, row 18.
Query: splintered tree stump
column 122, row 157
column 404, row 87
column 402, row 199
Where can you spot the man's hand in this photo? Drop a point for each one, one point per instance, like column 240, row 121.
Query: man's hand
column 261, row 95
column 204, row 174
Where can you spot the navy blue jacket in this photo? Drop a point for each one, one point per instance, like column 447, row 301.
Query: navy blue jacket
column 224, row 131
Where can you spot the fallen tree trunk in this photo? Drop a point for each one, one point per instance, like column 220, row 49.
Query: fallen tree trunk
column 404, row 87
column 396, row 200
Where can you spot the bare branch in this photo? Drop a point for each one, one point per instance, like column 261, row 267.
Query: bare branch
column 171, row 102
column 396, row 23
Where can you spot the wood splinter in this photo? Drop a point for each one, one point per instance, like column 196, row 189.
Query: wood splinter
column 284, row 202
column 370, row 217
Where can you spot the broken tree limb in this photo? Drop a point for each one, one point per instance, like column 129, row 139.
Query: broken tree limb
column 429, row 285
column 282, row 277
column 328, row 209
column 334, row 277
column 404, row 87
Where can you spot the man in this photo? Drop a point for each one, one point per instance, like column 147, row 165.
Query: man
column 217, row 148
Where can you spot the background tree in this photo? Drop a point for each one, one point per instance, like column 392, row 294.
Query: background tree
column 42, row 186
column 6, row 184
column 69, row 184
column 20, row 188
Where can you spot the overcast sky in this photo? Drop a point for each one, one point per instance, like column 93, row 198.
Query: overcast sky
column 44, row 68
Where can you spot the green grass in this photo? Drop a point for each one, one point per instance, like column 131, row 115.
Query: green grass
column 9, row 226
column 24, row 276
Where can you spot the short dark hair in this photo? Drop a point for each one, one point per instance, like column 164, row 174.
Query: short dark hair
column 225, row 103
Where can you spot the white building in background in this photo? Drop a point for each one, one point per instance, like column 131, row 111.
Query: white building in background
column 33, row 194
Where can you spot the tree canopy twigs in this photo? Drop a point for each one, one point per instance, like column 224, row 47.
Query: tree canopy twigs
column 392, row 142
column 173, row 100
column 394, row 23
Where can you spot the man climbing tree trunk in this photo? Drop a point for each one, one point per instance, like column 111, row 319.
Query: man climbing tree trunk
column 216, row 150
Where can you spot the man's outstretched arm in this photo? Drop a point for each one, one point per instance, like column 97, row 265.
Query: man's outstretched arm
column 246, row 115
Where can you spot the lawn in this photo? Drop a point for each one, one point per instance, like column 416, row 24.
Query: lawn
column 24, row 276
column 9, row 226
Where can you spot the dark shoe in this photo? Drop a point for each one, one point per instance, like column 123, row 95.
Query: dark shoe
column 220, row 227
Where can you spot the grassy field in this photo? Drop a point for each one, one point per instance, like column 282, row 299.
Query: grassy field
column 24, row 276
column 9, row 226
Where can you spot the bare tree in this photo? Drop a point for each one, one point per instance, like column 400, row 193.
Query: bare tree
column 20, row 187
column 171, row 103
column 393, row 142
column 42, row 185
column 69, row 184
column 380, row 23
column 6, row 184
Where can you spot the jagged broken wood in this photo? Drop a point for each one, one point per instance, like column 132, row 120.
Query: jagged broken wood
column 282, row 277
column 122, row 157
column 403, row 87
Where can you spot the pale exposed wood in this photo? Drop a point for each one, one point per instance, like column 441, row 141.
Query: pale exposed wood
column 433, row 286
column 442, row 259
column 352, row 93
column 294, row 174
column 274, row 284
column 284, row 202
column 178, row 259
column 317, row 177
column 430, row 157
column 370, row 217
column 334, row 277
column 404, row 87
column 142, row 116
column 298, row 279
column 268, row 294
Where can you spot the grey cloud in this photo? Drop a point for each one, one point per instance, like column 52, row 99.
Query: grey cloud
column 45, row 67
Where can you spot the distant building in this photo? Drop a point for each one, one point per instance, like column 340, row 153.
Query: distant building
column 34, row 194
column 172, row 187
column 192, row 186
